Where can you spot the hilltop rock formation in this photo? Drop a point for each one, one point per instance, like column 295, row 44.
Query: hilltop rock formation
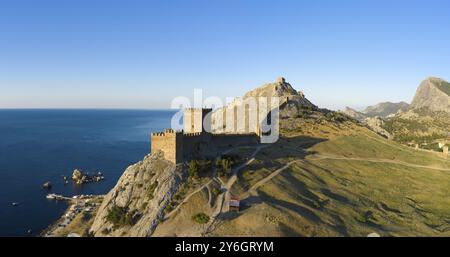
column 433, row 94
column 136, row 204
column 291, row 102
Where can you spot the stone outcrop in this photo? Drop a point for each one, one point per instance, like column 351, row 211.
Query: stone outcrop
column 78, row 177
column 144, row 190
column 376, row 124
column 433, row 94
column 291, row 104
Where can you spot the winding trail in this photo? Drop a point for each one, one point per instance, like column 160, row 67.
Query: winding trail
column 224, row 197
column 263, row 181
column 187, row 199
column 374, row 160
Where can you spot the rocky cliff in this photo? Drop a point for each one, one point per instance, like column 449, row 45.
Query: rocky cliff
column 136, row 204
column 433, row 94
column 292, row 103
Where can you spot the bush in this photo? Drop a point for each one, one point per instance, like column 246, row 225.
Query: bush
column 225, row 164
column 193, row 169
column 200, row 218
column 120, row 216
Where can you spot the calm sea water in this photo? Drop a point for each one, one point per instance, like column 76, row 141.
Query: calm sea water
column 43, row 145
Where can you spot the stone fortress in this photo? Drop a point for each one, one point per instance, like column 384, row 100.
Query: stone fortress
column 236, row 124
column 196, row 140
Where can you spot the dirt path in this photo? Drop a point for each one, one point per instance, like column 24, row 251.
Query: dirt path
column 187, row 199
column 319, row 156
column 263, row 181
column 278, row 171
column 224, row 197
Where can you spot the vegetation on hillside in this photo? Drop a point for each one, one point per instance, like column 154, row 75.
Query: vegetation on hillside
column 200, row 218
column 444, row 86
column 120, row 216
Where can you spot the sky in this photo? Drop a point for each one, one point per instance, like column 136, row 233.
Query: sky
column 142, row 54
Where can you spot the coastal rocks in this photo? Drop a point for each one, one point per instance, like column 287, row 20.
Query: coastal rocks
column 136, row 204
column 47, row 185
column 79, row 177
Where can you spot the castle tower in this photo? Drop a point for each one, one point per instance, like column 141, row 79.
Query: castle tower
column 170, row 142
column 196, row 121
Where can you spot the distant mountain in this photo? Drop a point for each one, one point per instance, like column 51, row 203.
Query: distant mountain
column 382, row 110
column 385, row 109
column 428, row 117
column 433, row 94
column 354, row 114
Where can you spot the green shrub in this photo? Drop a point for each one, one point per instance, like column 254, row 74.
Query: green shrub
column 193, row 169
column 120, row 217
column 200, row 218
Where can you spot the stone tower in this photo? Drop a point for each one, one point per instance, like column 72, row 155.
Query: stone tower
column 197, row 120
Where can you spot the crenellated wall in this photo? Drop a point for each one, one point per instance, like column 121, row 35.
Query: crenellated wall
column 196, row 143
column 170, row 143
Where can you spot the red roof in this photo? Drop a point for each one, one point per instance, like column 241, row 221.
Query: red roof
column 234, row 203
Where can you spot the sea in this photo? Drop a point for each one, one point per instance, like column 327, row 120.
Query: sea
column 40, row 145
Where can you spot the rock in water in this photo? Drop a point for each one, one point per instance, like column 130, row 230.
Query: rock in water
column 77, row 175
column 47, row 185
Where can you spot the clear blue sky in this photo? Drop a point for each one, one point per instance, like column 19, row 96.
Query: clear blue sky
column 141, row 54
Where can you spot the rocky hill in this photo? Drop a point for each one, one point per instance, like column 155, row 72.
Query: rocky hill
column 428, row 117
column 382, row 110
column 328, row 175
column 293, row 103
column 385, row 109
column 354, row 114
column 433, row 94
column 136, row 204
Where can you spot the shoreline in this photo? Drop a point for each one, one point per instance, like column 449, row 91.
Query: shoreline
column 76, row 219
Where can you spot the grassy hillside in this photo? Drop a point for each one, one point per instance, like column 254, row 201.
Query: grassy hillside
column 332, row 179
column 421, row 125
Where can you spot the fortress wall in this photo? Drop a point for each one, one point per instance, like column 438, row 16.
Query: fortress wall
column 233, row 140
column 170, row 143
column 193, row 142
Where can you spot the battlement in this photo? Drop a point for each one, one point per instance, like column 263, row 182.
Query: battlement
column 195, row 134
column 198, row 109
column 179, row 146
column 158, row 134
column 167, row 132
column 234, row 135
